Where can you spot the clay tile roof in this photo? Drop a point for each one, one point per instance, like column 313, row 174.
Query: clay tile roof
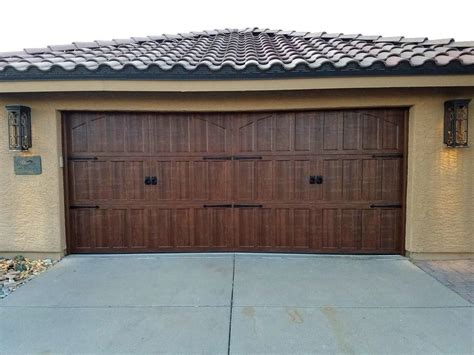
column 251, row 53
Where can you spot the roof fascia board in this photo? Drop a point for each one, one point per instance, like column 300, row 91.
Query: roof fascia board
column 236, row 85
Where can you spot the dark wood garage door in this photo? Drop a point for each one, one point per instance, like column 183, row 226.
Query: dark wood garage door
column 323, row 181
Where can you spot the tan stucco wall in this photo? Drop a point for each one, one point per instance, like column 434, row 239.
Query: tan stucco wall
column 440, row 196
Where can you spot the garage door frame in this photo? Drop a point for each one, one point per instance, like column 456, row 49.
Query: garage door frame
column 64, row 114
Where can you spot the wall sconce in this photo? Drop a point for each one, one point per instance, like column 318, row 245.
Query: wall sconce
column 455, row 122
column 19, row 127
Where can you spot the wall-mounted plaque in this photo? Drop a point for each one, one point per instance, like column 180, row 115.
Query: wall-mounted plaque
column 30, row 165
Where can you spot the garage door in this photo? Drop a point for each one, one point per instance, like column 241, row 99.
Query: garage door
column 323, row 181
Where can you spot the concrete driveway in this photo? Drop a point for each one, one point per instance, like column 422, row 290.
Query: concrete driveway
column 239, row 304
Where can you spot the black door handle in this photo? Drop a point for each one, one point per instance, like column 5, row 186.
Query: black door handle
column 151, row 180
column 315, row 179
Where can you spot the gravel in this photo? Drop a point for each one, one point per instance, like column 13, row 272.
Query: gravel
column 15, row 272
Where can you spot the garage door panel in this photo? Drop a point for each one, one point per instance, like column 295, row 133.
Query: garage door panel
column 254, row 179
column 391, row 187
column 128, row 180
column 79, row 183
column 109, row 133
column 392, row 130
column 370, row 180
column 165, row 188
column 183, row 220
column 137, row 223
column 284, row 227
column 191, row 133
column 351, row 180
column 266, row 132
column 277, row 227
column 303, row 190
column 160, row 230
column 161, row 134
column 77, row 133
column 331, row 132
column 332, row 175
column 96, row 131
column 284, row 127
column 105, row 180
column 137, row 136
column 350, row 229
column 283, row 180
column 247, row 226
column 180, row 134
column 351, row 131
column 389, row 224
column 370, row 229
column 275, row 179
column 81, row 227
column 192, row 179
column 302, row 224
column 213, row 227
column 304, row 133
column 258, row 136
column 219, row 129
column 100, row 177
column 370, row 131
column 220, row 187
column 182, row 181
column 331, row 228
column 266, row 227
column 101, row 225
column 245, row 180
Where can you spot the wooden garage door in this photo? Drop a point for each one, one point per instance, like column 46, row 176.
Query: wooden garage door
column 323, row 181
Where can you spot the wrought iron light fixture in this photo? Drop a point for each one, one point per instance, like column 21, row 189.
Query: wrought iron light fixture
column 456, row 113
column 19, row 127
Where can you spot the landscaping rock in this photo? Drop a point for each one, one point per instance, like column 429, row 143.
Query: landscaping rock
column 15, row 272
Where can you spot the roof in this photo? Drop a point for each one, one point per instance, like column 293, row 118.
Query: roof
column 251, row 53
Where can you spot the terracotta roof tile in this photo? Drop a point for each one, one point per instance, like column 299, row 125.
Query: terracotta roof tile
column 252, row 52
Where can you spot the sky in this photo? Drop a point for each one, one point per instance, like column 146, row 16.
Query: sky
column 38, row 23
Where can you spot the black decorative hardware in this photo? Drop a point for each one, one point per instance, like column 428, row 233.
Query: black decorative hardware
column 248, row 158
column 456, row 114
column 386, row 206
column 389, row 155
column 315, row 179
column 83, row 158
column 217, row 206
column 151, row 180
column 19, row 127
column 248, row 206
column 77, row 207
column 217, row 158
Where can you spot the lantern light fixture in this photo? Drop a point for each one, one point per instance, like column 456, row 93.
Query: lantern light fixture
column 19, row 127
column 456, row 113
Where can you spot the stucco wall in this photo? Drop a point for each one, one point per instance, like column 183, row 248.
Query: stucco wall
column 440, row 196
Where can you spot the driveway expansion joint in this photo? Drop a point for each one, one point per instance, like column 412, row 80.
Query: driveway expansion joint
column 231, row 306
